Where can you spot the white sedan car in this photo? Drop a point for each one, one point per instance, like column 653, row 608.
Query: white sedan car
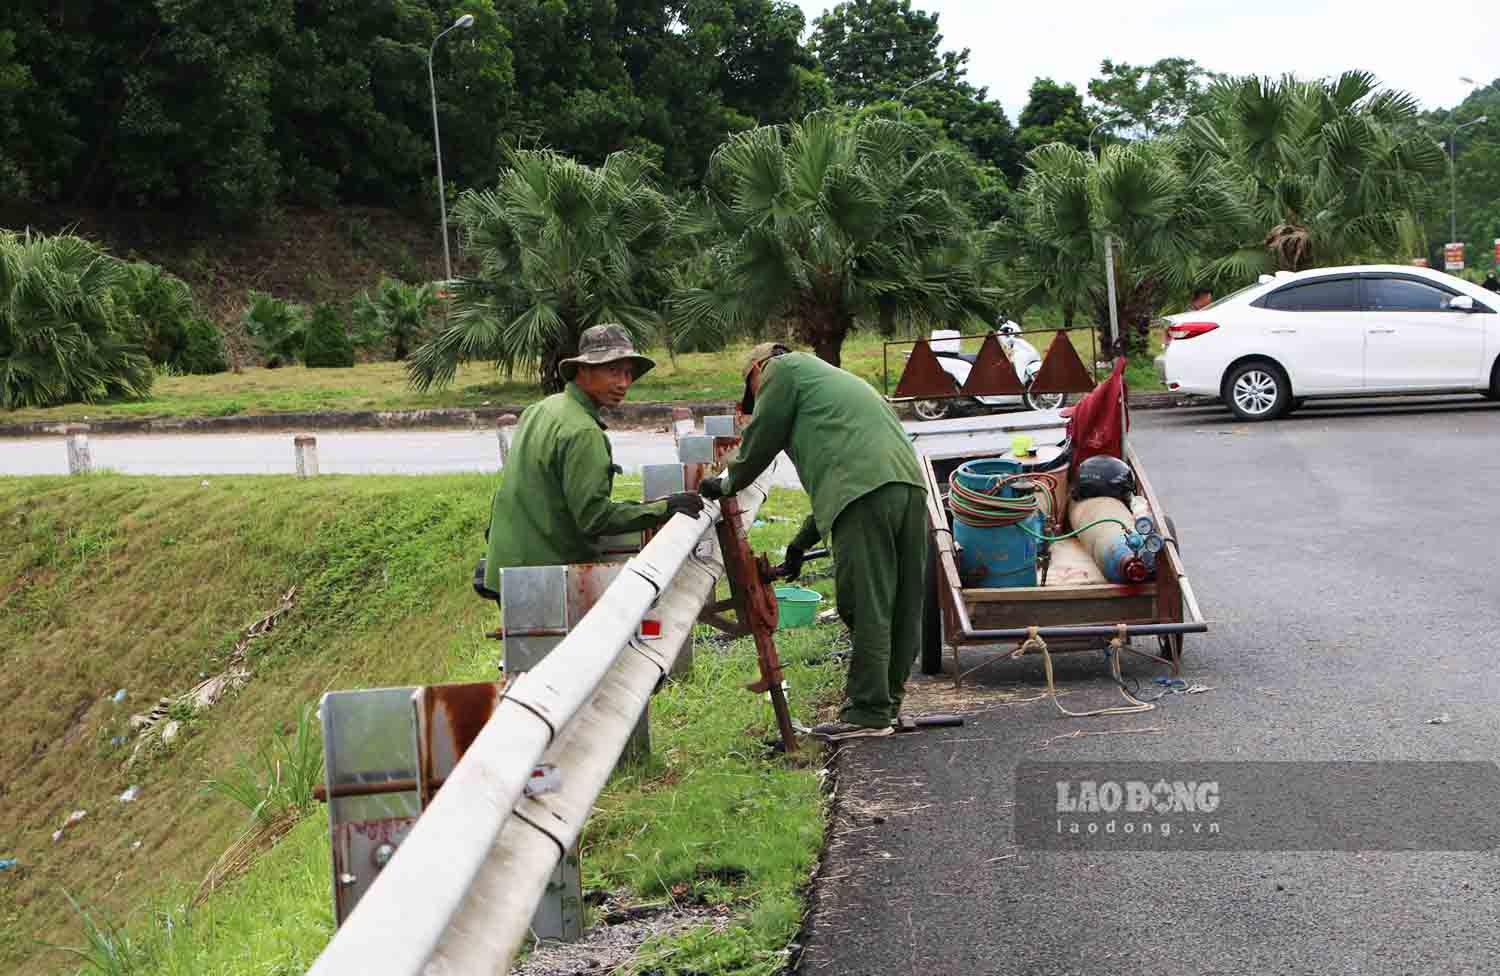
column 1336, row 332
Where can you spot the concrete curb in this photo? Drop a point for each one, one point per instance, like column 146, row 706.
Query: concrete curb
column 448, row 419
column 631, row 414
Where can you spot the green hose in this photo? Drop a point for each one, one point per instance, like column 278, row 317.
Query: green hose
column 1060, row 538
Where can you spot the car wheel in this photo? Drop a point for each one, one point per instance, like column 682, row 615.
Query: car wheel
column 1044, row 401
column 932, row 409
column 1493, row 392
column 1257, row 390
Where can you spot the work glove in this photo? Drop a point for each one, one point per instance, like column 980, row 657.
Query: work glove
column 684, row 503
column 712, row 488
column 792, row 568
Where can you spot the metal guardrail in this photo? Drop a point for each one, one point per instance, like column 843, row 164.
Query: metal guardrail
column 460, row 891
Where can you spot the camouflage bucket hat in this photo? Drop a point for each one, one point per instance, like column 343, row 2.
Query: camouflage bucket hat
column 603, row 344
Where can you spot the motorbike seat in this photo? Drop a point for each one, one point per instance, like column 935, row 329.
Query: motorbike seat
column 970, row 358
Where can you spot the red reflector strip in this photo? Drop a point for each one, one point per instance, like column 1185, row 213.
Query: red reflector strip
column 650, row 628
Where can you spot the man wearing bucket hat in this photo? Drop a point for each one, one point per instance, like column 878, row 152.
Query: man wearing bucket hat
column 554, row 500
column 857, row 463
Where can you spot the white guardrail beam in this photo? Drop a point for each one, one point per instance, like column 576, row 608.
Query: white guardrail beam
column 459, row 894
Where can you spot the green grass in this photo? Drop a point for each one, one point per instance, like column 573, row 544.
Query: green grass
column 382, row 386
column 144, row 583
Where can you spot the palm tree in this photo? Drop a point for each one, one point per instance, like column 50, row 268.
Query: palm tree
column 825, row 222
column 1162, row 203
column 65, row 332
column 396, row 311
column 1332, row 170
column 560, row 246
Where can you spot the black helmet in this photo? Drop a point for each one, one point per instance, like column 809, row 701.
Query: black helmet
column 1102, row 476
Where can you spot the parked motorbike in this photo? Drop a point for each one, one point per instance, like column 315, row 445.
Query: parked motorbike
column 957, row 364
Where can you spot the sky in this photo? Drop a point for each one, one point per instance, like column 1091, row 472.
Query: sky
column 1422, row 48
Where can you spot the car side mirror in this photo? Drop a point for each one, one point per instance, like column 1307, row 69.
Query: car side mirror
column 1461, row 303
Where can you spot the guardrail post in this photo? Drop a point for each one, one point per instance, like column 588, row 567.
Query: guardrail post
column 504, row 428
column 79, row 459
column 682, row 422
column 722, row 425
column 538, row 611
column 659, row 481
column 305, row 448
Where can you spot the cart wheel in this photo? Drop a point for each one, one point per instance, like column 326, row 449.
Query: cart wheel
column 1171, row 649
column 932, row 620
column 1172, row 532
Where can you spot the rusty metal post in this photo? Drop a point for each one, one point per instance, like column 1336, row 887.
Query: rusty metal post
column 305, row 448
column 756, row 605
column 79, row 459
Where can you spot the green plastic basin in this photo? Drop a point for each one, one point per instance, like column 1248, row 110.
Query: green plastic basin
column 796, row 607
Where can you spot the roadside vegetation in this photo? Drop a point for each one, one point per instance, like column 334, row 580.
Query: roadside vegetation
column 830, row 191
column 219, row 862
column 692, row 377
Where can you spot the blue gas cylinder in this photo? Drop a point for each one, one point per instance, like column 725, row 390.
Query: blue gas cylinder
column 1000, row 555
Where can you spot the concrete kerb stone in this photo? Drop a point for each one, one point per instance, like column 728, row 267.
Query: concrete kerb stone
column 639, row 414
column 444, row 419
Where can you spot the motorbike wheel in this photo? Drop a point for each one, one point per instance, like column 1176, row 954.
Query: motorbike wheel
column 1044, row 401
column 932, row 409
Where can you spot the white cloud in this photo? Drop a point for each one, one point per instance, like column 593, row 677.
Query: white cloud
column 1420, row 48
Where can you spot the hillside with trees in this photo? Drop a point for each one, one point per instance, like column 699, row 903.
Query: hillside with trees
column 258, row 164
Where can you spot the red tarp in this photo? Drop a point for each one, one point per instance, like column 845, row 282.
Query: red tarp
column 1097, row 423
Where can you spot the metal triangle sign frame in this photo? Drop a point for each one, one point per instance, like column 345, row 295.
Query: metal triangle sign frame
column 1062, row 371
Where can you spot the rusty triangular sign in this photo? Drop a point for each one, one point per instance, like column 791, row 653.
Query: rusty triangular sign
column 923, row 378
column 993, row 373
column 1062, row 371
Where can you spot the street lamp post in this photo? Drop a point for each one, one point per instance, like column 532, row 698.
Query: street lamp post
column 1453, row 177
column 932, row 77
column 467, row 20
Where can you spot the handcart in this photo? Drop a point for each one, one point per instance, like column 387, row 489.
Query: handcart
column 1074, row 607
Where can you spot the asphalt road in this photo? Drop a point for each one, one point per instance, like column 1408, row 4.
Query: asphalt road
column 1347, row 561
column 339, row 452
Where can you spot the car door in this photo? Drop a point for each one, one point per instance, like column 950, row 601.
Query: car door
column 1414, row 341
column 1314, row 329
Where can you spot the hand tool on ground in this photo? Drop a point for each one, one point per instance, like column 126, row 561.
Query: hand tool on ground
column 911, row 723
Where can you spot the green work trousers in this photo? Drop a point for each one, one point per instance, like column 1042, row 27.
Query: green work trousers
column 880, row 565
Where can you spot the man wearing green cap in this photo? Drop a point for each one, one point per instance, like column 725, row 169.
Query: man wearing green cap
column 856, row 461
column 554, row 500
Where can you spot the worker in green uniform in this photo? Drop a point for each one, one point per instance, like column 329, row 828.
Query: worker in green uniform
column 856, row 461
column 554, row 500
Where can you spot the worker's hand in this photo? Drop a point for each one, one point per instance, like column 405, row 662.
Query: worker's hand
column 792, row 568
column 684, row 503
column 712, row 488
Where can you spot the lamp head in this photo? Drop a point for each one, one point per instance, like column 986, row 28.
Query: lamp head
column 467, row 20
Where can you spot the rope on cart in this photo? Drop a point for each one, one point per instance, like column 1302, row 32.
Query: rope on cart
column 1116, row 646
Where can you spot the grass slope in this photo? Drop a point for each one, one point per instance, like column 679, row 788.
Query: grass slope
column 382, row 386
column 145, row 583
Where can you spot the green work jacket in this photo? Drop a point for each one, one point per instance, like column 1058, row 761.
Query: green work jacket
column 554, row 501
column 845, row 440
